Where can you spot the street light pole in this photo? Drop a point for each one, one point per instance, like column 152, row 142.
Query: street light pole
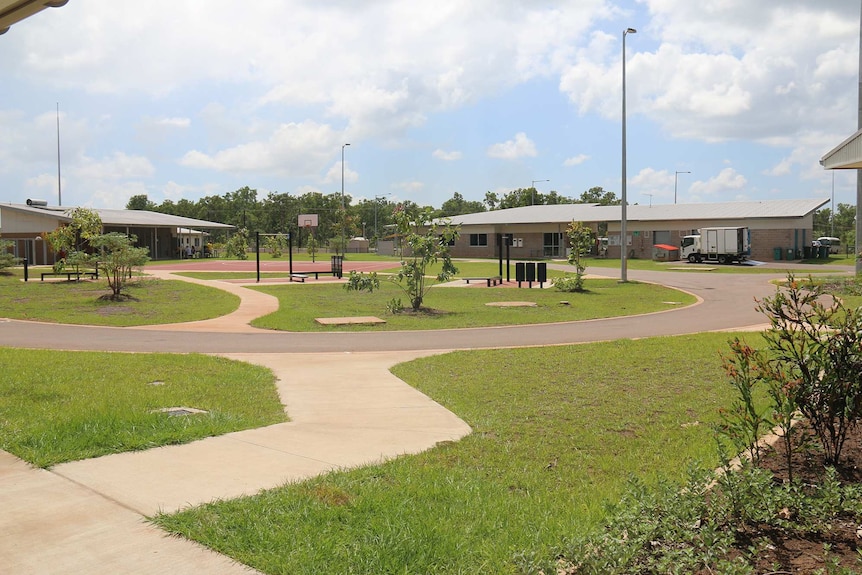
column 533, row 193
column 343, row 212
column 623, row 230
column 675, row 174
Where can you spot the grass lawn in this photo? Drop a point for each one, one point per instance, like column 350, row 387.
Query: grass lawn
column 64, row 406
column 154, row 301
column 458, row 307
column 557, row 432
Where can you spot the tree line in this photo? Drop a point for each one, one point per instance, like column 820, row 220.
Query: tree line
column 278, row 213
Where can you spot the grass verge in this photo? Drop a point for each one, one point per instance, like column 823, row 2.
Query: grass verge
column 65, row 406
column 461, row 307
column 557, row 432
column 153, row 301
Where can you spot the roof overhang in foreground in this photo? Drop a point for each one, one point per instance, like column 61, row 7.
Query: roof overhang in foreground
column 845, row 156
column 121, row 218
column 13, row 11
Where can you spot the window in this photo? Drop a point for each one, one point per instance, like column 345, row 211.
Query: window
column 478, row 239
column 553, row 245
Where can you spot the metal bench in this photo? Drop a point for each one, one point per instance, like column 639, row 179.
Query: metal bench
column 489, row 280
column 93, row 275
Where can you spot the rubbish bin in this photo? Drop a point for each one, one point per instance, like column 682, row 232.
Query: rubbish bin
column 806, row 252
column 336, row 266
column 776, row 254
column 824, row 252
column 789, row 254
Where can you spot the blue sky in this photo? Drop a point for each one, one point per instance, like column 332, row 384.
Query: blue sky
column 183, row 99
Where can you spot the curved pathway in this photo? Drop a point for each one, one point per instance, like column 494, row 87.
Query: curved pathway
column 727, row 303
column 346, row 409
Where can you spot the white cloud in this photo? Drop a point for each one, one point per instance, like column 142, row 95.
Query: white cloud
column 447, row 156
column 294, row 149
column 174, row 122
column 576, row 160
column 118, row 166
column 519, row 147
column 726, row 185
column 334, row 174
column 409, row 187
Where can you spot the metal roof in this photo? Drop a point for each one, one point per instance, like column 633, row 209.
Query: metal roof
column 845, row 156
column 121, row 218
column 13, row 11
column 564, row 213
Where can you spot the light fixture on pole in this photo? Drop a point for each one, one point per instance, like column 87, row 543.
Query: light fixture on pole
column 623, row 231
column 675, row 174
column 343, row 212
column 533, row 192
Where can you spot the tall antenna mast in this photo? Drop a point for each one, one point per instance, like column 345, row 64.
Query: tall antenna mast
column 59, row 185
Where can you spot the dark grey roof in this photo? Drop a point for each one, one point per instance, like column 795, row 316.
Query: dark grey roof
column 115, row 218
column 564, row 213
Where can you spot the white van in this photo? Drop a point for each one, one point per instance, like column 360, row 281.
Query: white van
column 833, row 243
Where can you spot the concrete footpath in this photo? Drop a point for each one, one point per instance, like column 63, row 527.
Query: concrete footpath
column 89, row 517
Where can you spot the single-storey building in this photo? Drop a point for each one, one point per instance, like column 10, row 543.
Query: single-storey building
column 782, row 227
column 162, row 234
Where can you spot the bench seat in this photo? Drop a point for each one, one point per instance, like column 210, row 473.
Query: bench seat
column 489, row 280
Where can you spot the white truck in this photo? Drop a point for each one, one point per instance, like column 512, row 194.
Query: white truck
column 721, row 245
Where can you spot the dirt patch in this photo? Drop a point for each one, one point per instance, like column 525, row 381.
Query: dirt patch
column 788, row 552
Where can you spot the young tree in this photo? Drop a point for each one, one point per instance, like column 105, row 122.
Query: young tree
column 580, row 240
column 276, row 245
column 237, row 245
column 117, row 257
column 426, row 243
column 7, row 260
column 68, row 240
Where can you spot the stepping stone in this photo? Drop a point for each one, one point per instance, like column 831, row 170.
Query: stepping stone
column 366, row 320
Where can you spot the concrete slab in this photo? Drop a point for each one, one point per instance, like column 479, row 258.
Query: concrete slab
column 54, row 526
column 359, row 320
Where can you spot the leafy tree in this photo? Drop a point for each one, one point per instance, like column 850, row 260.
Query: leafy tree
column 68, row 240
column 598, row 195
column 140, row 202
column 519, row 198
column 237, row 245
column 118, row 256
column 492, row 200
column 457, row 205
column 424, row 242
column 844, row 224
column 276, row 245
column 552, row 198
column 7, row 260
